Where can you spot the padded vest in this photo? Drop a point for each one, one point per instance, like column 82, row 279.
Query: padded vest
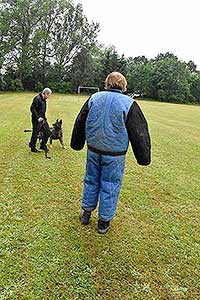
column 105, row 125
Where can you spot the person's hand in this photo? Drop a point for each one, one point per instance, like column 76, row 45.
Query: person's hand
column 40, row 119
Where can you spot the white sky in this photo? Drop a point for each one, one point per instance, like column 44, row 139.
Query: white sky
column 148, row 27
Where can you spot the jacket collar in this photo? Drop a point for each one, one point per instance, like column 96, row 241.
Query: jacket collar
column 42, row 97
column 115, row 90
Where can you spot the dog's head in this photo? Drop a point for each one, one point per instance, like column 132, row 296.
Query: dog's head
column 58, row 125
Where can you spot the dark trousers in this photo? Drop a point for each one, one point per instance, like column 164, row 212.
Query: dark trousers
column 42, row 127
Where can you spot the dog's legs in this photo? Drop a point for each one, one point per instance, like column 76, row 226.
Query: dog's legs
column 61, row 141
column 50, row 142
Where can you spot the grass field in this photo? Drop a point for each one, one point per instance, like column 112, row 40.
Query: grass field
column 152, row 250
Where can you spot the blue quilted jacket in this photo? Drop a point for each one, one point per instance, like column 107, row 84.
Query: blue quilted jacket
column 107, row 121
column 105, row 125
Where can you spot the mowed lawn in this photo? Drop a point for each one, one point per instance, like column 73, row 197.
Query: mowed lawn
column 152, row 250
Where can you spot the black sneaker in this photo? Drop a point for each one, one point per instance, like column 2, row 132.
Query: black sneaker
column 103, row 226
column 85, row 217
column 34, row 150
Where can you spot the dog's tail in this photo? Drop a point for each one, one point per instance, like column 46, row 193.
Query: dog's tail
column 27, row 130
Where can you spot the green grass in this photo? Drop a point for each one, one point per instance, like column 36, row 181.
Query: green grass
column 152, row 250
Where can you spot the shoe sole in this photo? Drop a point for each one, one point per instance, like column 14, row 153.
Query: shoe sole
column 103, row 231
column 84, row 223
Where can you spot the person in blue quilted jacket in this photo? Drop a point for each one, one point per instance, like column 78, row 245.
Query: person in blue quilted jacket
column 107, row 122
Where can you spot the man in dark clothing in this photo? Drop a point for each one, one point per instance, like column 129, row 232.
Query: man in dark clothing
column 39, row 120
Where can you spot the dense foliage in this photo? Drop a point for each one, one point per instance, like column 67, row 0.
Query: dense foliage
column 53, row 43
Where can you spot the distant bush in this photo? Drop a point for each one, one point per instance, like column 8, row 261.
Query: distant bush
column 16, row 85
column 195, row 88
column 65, row 87
column 2, row 84
column 61, row 87
column 38, row 87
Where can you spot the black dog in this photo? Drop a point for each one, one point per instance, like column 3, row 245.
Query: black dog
column 57, row 133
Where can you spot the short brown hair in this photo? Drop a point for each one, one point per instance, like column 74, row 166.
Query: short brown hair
column 116, row 80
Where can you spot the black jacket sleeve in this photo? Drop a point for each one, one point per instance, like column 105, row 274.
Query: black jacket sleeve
column 34, row 107
column 78, row 133
column 138, row 133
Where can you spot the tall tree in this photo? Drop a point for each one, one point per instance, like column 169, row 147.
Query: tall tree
column 71, row 33
column 81, row 72
column 42, row 41
column 137, row 72
column 111, row 61
column 37, row 34
column 195, row 87
column 22, row 18
column 168, row 80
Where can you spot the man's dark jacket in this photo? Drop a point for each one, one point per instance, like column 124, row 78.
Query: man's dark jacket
column 38, row 108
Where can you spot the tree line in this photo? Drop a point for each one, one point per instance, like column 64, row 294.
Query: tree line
column 52, row 43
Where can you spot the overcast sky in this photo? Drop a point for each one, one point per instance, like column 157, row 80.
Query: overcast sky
column 148, row 27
